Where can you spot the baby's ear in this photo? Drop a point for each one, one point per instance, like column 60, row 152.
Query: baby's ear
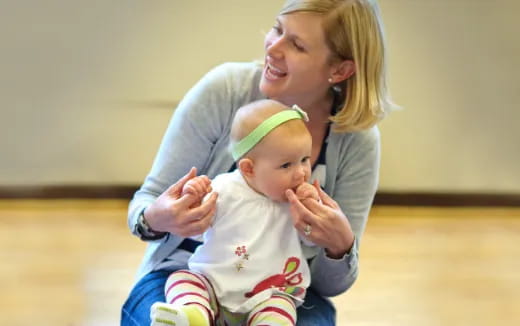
column 246, row 166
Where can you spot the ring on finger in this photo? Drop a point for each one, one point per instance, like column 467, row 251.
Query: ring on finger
column 307, row 230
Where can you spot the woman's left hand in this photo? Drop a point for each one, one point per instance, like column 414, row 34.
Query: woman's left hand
column 322, row 223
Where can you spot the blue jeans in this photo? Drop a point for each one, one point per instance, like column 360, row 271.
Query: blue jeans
column 315, row 311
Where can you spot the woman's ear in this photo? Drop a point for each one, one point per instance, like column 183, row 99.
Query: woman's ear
column 246, row 166
column 342, row 71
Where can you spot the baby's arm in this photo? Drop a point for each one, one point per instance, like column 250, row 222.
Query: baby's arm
column 197, row 187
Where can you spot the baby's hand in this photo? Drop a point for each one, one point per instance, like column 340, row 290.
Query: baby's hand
column 198, row 187
column 307, row 191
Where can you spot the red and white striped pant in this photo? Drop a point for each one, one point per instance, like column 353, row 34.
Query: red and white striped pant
column 186, row 288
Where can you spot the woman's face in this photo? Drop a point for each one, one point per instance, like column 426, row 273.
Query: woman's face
column 297, row 65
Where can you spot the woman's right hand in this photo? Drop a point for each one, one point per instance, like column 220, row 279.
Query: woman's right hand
column 176, row 213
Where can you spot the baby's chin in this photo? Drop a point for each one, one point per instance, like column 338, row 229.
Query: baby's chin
column 282, row 198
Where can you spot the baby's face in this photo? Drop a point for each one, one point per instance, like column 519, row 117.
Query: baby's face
column 285, row 163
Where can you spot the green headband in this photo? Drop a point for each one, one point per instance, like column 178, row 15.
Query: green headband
column 249, row 141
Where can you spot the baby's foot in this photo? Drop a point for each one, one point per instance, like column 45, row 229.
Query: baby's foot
column 164, row 314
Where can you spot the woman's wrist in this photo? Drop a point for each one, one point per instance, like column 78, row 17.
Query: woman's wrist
column 336, row 254
column 145, row 230
column 340, row 252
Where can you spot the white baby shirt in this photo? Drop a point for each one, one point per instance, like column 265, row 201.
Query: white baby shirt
column 252, row 250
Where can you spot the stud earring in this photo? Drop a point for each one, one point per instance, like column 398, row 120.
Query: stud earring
column 335, row 87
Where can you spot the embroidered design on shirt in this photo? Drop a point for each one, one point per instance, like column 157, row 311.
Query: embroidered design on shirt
column 241, row 252
column 287, row 281
column 239, row 266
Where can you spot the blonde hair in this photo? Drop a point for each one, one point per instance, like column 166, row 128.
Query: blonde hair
column 353, row 31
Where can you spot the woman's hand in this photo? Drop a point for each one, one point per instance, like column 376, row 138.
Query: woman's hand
column 198, row 187
column 180, row 212
column 329, row 227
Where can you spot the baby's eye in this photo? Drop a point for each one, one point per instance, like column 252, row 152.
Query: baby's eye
column 285, row 165
column 306, row 159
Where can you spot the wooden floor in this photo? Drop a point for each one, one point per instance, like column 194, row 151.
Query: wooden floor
column 72, row 263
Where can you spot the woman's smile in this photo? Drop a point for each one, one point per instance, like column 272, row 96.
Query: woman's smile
column 273, row 73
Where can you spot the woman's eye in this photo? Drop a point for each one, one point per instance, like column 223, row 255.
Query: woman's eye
column 298, row 47
column 277, row 29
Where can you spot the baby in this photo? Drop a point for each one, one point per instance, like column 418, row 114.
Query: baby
column 250, row 268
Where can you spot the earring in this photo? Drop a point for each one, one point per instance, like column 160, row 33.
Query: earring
column 335, row 87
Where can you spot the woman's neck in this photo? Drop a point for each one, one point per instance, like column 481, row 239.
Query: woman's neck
column 317, row 108
column 318, row 124
column 319, row 111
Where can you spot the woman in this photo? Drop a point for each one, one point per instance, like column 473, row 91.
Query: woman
column 326, row 56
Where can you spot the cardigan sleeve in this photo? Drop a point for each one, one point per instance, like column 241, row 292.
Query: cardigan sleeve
column 354, row 190
column 197, row 124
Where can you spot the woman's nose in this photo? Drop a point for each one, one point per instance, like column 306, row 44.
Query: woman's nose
column 274, row 47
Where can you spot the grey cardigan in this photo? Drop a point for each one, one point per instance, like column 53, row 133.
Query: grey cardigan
column 198, row 135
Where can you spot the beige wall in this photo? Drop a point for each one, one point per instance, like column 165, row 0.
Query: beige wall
column 87, row 88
